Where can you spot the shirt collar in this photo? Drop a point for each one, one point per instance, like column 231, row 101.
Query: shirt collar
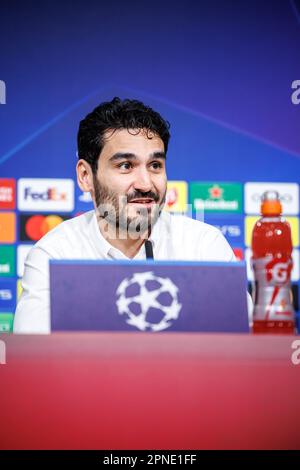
column 104, row 248
column 101, row 244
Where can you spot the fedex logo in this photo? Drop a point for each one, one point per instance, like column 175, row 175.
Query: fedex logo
column 46, row 195
column 50, row 194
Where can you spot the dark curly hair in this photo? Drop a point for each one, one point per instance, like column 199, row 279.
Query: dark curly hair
column 113, row 115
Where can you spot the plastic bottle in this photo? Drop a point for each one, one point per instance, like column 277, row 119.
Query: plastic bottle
column 272, row 264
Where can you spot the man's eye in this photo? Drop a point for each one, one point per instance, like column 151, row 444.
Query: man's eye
column 125, row 166
column 156, row 165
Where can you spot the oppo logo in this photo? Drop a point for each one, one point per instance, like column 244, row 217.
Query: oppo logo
column 295, row 97
column 2, row 92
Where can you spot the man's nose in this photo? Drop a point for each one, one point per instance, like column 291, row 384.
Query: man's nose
column 143, row 181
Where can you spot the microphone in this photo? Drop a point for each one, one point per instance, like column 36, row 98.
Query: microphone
column 149, row 249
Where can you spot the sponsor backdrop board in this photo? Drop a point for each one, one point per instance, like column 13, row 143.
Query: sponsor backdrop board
column 234, row 124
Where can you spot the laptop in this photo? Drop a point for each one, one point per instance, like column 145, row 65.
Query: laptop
column 148, row 296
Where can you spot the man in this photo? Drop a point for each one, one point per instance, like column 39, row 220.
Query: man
column 122, row 148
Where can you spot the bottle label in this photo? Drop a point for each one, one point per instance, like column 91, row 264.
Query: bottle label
column 273, row 301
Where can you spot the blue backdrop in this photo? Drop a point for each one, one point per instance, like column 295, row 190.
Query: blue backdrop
column 221, row 72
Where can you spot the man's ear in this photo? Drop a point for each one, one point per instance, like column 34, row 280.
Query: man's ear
column 84, row 175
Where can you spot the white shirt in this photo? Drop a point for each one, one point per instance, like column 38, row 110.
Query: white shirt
column 173, row 238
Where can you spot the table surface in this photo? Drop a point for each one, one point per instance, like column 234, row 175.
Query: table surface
column 149, row 391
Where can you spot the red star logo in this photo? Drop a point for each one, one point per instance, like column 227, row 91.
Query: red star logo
column 216, row 192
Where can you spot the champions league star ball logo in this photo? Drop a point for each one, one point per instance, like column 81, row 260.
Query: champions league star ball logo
column 149, row 302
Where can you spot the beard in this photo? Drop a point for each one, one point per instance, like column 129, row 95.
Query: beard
column 113, row 208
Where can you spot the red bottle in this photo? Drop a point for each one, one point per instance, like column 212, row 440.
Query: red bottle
column 272, row 264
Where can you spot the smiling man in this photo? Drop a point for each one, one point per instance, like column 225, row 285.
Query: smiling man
column 122, row 148
column 128, row 186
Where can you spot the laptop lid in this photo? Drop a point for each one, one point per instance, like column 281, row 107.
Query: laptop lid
column 148, row 296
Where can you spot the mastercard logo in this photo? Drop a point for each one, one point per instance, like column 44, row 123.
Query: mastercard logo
column 36, row 226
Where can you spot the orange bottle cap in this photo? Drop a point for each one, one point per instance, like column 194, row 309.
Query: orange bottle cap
column 271, row 204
